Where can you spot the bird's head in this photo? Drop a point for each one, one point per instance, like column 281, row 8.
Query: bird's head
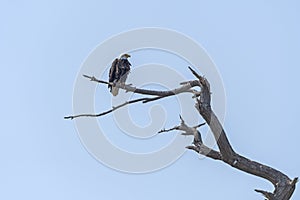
column 125, row 56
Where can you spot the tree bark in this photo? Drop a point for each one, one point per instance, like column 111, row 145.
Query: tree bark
column 284, row 186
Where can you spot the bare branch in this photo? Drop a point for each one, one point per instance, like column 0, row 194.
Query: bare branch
column 128, row 88
column 198, row 146
column 206, row 151
column 106, row 112
column 92, row 78
column 284, row 186
column 184, row 88
column 187, row 130
column 153, row 99
column 199, row 125
column 266, row 194
column 195, row 73
column 168, row 130
column 183, row 127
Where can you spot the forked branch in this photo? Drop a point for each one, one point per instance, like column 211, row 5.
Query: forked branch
column 185, row 88
column 284, row 186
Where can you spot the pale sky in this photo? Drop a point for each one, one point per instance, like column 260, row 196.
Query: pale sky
column 255, row 46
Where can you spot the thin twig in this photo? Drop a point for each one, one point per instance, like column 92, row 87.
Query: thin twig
column 168, row 130
column 198, row 145
column 108, row 111
column 206, row 151
column 92, row 78
column 199, row 125
column 187, row 130
column 195, row 73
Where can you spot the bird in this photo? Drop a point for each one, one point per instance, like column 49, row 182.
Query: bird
column 118, row 72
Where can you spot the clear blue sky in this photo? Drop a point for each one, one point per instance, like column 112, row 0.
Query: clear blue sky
column 255, row 45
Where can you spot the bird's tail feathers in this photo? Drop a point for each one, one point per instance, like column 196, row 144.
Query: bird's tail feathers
column 114, row 91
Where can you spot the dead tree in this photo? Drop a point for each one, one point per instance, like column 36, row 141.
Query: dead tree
column 284, row 186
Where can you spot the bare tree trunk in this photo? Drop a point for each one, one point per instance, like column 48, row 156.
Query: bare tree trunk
column 284, row 186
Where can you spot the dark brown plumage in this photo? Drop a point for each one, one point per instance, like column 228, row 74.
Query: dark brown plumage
column 118, row 72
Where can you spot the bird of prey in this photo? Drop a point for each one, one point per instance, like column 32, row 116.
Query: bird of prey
column 118, row 72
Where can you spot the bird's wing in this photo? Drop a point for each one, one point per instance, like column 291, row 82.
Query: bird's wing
column 127, row 62
column 112, row 71
column 124, row 68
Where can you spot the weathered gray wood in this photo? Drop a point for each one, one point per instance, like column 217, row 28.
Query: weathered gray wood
column 284, row 186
